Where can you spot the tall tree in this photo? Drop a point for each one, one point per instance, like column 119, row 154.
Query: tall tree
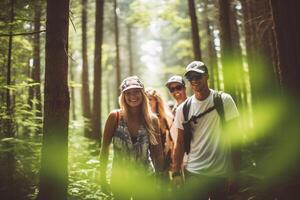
column 230, row 48
column 9, row 132
column 36, row 72
column 130, row 53
column 212, row 54
column 30, row 90
column 116, row 23
column 195, row 30
column 97, row 97
column 85, row 91
column 72, row 79
column 54, row 163
column 226, row 42
column 9, row 125
column 285, row 15
column 108, row 94
column 259, row 38
column 237, row 62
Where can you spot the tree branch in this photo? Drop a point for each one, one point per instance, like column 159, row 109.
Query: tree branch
column 18, row 34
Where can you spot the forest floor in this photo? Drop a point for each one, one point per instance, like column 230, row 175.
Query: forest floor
column 21, row 175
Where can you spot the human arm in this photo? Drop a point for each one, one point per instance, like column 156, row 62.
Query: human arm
column 177, row 158
column 156, row 151
column 110, row 126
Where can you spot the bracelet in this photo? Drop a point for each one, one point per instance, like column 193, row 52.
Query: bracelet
column 174, row 174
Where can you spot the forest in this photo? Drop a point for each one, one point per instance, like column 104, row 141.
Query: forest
column 62, row 62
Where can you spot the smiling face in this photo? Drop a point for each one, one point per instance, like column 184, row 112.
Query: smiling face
column 177, row 91
column 133, row 97
column 198, row 81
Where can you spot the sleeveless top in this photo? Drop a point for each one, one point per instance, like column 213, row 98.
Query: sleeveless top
column 131, row 152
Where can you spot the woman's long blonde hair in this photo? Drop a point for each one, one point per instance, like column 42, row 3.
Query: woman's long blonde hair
column 161, row 109
column 146, row 112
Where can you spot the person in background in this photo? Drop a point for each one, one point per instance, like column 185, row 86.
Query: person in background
column 134, row 131
column 158, row 107
column 210, row 169
column 176, row 87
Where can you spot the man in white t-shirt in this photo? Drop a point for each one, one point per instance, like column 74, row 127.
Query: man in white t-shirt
column 209, row 162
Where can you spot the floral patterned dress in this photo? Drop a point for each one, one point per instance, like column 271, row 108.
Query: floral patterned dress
column 131, row 160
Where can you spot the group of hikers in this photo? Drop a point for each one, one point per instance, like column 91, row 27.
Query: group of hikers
column 184, row 146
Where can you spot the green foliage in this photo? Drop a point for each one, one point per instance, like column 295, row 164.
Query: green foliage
column 84, row 166
column 25, row 118
column 267, row 131
column 182, row 49
column 26, row 154
column 175, row 36
column 175, row 12
column 140, row 14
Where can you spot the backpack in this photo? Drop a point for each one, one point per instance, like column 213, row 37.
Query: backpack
column 218, row 105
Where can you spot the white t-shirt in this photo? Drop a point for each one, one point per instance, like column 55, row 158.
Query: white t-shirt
column 209, row 155
column 173, row 129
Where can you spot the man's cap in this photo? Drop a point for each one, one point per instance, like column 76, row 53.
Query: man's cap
column 196, row 66
column 175, row 79
column 131, row 82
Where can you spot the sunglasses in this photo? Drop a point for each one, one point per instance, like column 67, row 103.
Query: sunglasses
column 195, row 77
column 176, row 88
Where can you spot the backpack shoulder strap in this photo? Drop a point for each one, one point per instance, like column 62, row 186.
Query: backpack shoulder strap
column 187, row 136
column 218, row 103
column 186, row 108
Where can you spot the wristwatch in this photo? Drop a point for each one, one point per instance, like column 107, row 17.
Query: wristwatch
column 174, row 174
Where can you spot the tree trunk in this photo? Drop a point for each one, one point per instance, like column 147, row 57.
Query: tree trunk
column 287, row 34
column 72, row 92
column 97, row 97
column 9, row 125
column 230, row 50
column 10, row 163
column 237, row 62
column 227, row 47
column 285, row 15
column 118, row 70
column 212, row 54
column 108, row 94
column 259, row 38
column 30, row 89
column 36, row 63
column 195, row 30
column 130, row 54
column 85, row 92
column 54, row 162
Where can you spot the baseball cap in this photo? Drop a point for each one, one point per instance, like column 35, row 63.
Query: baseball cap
column 175, row 79
column 131, row 82
column 196, row 66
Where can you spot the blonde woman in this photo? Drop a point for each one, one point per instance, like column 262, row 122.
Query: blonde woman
column 158, row 106
column 134, row 132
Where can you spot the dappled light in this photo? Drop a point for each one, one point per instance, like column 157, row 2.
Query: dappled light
column 62, row 63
